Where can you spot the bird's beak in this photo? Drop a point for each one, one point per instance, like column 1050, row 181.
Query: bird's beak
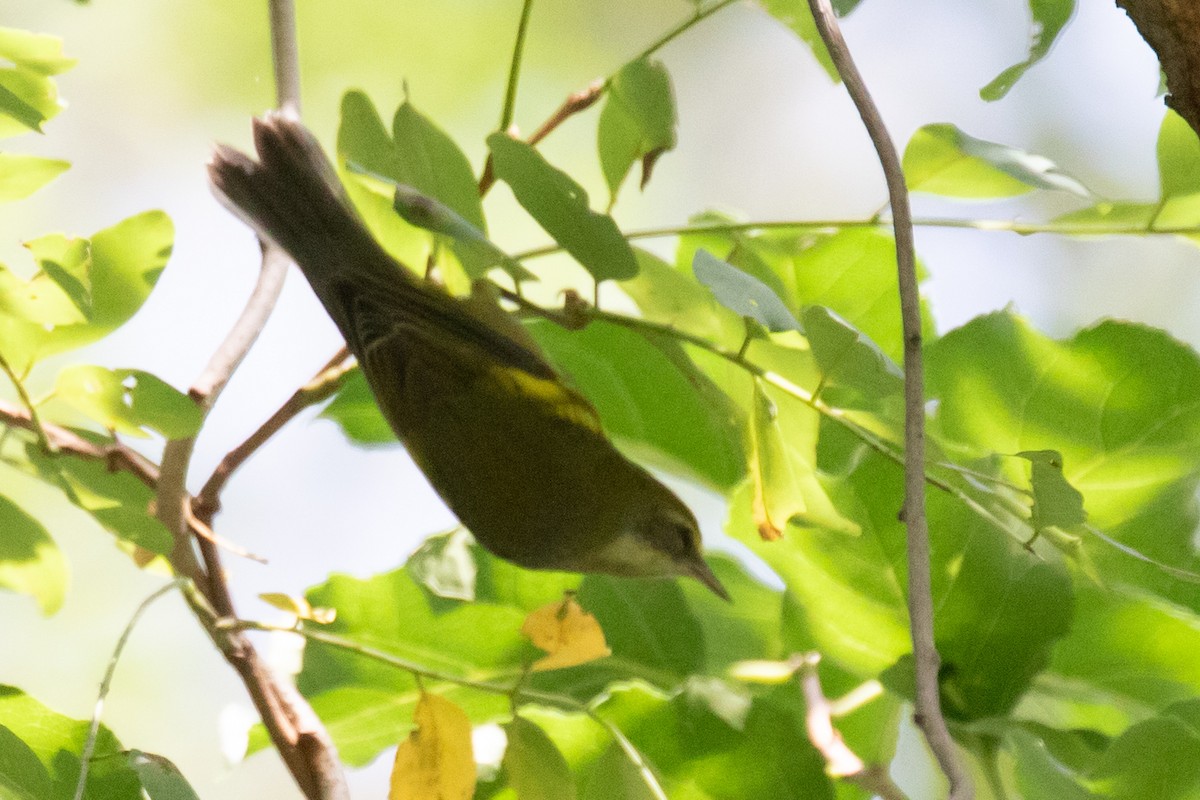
column 699, row 570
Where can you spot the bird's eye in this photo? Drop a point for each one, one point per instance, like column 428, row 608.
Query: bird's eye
column 685, row 538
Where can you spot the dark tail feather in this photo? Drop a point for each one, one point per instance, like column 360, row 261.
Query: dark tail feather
column 292, row 197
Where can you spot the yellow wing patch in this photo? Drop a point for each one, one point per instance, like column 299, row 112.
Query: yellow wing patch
column 554, row 396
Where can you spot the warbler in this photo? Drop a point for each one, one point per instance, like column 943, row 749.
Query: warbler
column 517, row 454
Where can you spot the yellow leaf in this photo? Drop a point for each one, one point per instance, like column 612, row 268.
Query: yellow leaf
column 569, row 635
column 435, row 762
column 299, row 607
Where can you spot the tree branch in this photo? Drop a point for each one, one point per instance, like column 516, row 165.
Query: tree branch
column 928, row 712
column 324, row 384
column 840, row 761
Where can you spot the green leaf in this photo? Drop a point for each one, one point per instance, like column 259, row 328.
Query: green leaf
column 128, row 401
column 651, row 397
column 474, row 250
column 783, row 468
column 22, row 776
column 126, row 261
column 941, row 159
column 710, row 760
column 445, row 565
column 795, row 14
column 1055, row 501
column 161, row 779
column 365, row 149
column 756, row 254
column 560, row 206
column 535, row 767
column 1178, row 152
column 117, row 500
column 1103, row 217
column 1155, row 758
column 28, row 96
column 1110, row 416
column 637, row 122
column 855, row 371
column 356, row 413
column 614, row 776
column 30, row 561
column 1049, row 18
column 429, row 161
column 1131, row 645
column 853, row 273
column 368, row 706
column 742, row 293
column 22, row 175
column 57, row 742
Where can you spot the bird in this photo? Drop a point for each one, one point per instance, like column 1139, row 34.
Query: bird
column 515, row 452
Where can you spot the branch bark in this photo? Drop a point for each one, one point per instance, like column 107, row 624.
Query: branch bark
column 1172, row 29
column 928, row 710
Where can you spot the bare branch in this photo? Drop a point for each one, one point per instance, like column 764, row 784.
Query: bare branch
column 928, row 712
column 324, row 384
column 840, row 760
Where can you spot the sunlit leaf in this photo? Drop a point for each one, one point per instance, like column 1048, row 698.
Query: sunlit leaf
column 117, row 500
column 560, row 206
column 28, row 95
column 298, row 607
column 30, row 561
column 22, row 175
column 355, row 412
column 1178, row 152
column 795, row 14
column 569, row 635
column 128, row 401
column 941, row 159
column 126, row 261
column 1120, row 401
column 1049, row 18
column 57, row 742
column 435, row 762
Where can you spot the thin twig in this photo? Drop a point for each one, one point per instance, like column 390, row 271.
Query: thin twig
column 927, row 661
column 285, row 56
column 328, row 380
column 514, row 68
column 420, row 671
column 35, row 422
column 822, row 225
column 840, row 760
column 577, row 101
column 681, row 28
column 89, row 744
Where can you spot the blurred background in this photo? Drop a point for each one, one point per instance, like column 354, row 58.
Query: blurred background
column 763, row 134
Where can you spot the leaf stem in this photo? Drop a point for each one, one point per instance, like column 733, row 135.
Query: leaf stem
column 420, row 671
column 89, row 744
column 680, row 29
column 35, row 423
column 987, row 225
column 514, row 69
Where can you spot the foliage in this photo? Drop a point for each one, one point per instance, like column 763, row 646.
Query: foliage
column 762, row 362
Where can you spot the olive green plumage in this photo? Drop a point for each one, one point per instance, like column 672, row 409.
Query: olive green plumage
column 514, row 452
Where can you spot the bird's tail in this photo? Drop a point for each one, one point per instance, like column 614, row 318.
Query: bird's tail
column 292, row 197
